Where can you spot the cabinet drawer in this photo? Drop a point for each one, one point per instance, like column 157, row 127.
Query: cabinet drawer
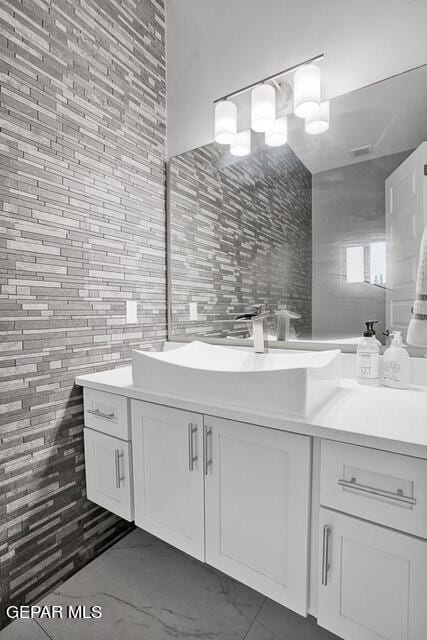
column 107, row 413
column 109, row 473
column 387, row 488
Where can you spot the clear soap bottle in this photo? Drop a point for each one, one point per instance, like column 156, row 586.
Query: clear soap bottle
column 368, row 357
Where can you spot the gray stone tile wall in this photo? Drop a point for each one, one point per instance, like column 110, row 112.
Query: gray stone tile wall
column 240, row 233
column 82, row 138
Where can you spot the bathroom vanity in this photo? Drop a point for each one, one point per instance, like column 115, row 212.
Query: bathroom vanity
column 324, row 513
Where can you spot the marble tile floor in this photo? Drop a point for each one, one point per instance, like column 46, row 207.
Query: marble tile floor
column 151, row 591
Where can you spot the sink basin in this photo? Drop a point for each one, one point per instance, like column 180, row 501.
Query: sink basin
column 293, row 383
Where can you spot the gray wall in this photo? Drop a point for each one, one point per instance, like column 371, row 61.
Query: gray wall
column 348, row 209
column 240, row 234
column 82, row 116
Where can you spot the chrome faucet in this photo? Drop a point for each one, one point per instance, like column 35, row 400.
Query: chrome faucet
column 257, row 316
column 284, row 317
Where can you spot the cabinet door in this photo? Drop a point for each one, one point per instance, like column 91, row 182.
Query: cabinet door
column 373, row 580
column 109, row 473
column 257, row 503
column 168, row 475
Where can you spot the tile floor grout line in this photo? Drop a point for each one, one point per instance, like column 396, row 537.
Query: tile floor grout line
column 254, row 620
column 44, row 630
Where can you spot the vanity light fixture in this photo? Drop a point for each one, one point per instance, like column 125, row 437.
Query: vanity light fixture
column 263, row 107
column 307, row 91
column 318, row 122
column 225, row 121
column 307, row 101
column 278, row 133
column 241, row 144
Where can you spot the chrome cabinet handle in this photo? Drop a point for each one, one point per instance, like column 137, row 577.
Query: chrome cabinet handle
column 207, row 461
column 100, row 414
column 325, row 554
column 192, row 429
column 397, row 497
column 117, row 455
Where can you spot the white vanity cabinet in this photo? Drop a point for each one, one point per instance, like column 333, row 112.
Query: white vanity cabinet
column 282, row 513
column 373, row 557
column 235, row 495
column 108, row 452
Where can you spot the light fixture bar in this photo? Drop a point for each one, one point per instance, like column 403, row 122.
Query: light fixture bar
column 269, row 78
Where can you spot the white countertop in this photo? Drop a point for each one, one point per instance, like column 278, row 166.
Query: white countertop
column 379, row 417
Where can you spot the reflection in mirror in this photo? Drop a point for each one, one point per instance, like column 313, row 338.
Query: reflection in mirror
column 324, row 231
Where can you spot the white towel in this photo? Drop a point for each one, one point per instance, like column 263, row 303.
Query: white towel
column 417, row 329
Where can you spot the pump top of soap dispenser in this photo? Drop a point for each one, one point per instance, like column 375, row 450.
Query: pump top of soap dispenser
column 396, row 339
column 368, row 331
column 370, row 328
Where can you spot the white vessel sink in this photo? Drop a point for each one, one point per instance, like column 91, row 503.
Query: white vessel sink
column 292, row 383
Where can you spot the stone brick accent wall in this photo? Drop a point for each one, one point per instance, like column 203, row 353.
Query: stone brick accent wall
column 240, row 233
column 82, row 117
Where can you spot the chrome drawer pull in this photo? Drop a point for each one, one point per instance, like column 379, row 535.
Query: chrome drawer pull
column 117, row 455
column 100, row 414
column 325, row 554
column 398, row 497
column 207, row 432
column 192, row 429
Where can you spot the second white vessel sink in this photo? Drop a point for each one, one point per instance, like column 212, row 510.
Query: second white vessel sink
column 295, row 383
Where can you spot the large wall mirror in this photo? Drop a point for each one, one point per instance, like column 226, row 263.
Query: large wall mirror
column 326, row 227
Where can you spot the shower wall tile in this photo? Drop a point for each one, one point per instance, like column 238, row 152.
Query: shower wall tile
column 82, row 143
column 240, row 233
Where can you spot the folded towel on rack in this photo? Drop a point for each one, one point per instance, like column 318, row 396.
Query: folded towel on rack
column 417, row 329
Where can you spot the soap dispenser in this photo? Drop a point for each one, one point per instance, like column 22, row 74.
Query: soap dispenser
column 396, row 364
column 368, row 357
